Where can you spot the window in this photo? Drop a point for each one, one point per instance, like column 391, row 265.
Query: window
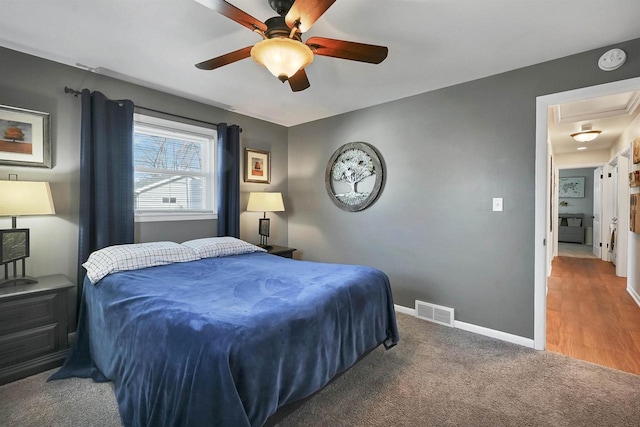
column 174, row 170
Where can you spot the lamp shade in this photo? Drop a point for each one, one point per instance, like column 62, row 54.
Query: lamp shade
column 283, row 57
column 265, row 202
column 18, row 198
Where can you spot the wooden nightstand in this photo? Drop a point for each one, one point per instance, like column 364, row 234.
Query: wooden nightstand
column 33, row 327
column 282, row 251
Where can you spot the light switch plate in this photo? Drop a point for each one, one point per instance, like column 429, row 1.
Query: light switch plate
column 497, row 204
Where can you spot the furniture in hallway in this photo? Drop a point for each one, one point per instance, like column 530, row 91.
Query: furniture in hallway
column 571, row 228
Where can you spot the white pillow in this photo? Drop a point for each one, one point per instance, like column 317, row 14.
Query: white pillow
column 212, row 247
column 135, row 256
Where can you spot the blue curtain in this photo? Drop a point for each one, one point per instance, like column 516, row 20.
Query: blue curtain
column 106, row 176
column 228, row 180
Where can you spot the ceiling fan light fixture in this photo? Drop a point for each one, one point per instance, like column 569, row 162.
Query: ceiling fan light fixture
column 282, row 56
column 586, row 134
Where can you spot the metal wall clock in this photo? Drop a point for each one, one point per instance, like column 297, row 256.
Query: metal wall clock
column 354, row 176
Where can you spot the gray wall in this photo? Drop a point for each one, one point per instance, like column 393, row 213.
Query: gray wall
column 38, row 84
column 583, row 205
column 447, row 153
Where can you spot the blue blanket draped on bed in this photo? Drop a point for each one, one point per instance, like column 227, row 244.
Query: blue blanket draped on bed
column 226, row 341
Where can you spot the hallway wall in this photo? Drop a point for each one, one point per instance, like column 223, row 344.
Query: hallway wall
column 583, row 205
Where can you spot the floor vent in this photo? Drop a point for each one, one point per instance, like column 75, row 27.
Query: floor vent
column 434, row 313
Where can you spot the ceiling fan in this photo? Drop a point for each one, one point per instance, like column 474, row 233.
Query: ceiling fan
column 282, row 51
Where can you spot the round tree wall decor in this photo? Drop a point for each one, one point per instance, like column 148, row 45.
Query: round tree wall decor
column 354, row 176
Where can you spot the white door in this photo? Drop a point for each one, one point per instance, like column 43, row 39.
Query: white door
column 597, row 207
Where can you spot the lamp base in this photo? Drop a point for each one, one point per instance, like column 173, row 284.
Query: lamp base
column 17, row 281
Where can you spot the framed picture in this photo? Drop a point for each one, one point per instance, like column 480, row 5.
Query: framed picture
column 634, row 179
column 354, row 176
column 636, row 150
column 634, row 220
column 257, row 166
column 14, row 245
column 571, row 187
column 25, row 139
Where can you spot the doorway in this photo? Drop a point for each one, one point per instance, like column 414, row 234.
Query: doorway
column 543, row 232
column 578, row 218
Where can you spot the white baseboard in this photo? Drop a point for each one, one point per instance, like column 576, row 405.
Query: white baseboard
column 504, row 336
column 634, row 295
column 405, row 310
column 481, row 330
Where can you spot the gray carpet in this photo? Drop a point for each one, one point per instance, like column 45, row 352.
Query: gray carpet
column 436, row 376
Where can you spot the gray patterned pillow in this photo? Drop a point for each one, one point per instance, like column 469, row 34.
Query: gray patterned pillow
column 212, row 247
column 135, row 256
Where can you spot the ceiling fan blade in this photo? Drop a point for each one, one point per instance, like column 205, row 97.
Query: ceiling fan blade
column 226, row 59
column 299, row 81
column 306, row 12
column 232, row 12
column 348, row 50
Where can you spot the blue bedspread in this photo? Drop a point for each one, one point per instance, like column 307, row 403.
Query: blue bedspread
column 226, row 341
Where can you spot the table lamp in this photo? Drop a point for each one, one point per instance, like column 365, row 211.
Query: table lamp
column 20, row 198
column 265, row 202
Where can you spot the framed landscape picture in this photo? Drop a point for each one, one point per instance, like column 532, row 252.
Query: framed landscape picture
column 257, row 166
column 25, row 139
column 636, row 150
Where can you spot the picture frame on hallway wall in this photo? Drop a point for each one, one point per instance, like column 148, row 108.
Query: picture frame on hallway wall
column 25, row 137
column 634, row 220
column 636, row 150
column 634, row 178
column 257, row 166
column 571, row 187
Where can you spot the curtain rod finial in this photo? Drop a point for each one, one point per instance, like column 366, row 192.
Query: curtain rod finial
column 73, row 91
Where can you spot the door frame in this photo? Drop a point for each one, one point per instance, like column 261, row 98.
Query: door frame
column 601, row 221
column 542, row 209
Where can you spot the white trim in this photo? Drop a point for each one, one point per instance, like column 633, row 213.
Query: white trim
column 492, row 333
column 481, row 330
column 542, row 105
column 206, row 138
column 634, row 295
column 405, row 310
column 202, row 132
column 541, row 226
column 173, row 216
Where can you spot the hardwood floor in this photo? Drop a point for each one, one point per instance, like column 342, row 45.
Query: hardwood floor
column 590, row 315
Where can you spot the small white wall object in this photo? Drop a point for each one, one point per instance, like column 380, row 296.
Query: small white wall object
column 497, row 204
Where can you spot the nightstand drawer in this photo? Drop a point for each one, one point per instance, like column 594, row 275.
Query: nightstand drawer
column 27, row 313
column 26, row 345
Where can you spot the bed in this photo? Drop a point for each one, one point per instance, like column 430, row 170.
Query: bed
column 226, row 340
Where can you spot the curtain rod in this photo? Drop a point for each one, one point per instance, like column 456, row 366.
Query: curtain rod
column 75, row 93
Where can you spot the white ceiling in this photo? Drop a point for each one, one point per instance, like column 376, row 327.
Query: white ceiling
column 432, row 44
column 610, row 114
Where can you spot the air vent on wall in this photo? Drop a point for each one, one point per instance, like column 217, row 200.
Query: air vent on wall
column 435, row 313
